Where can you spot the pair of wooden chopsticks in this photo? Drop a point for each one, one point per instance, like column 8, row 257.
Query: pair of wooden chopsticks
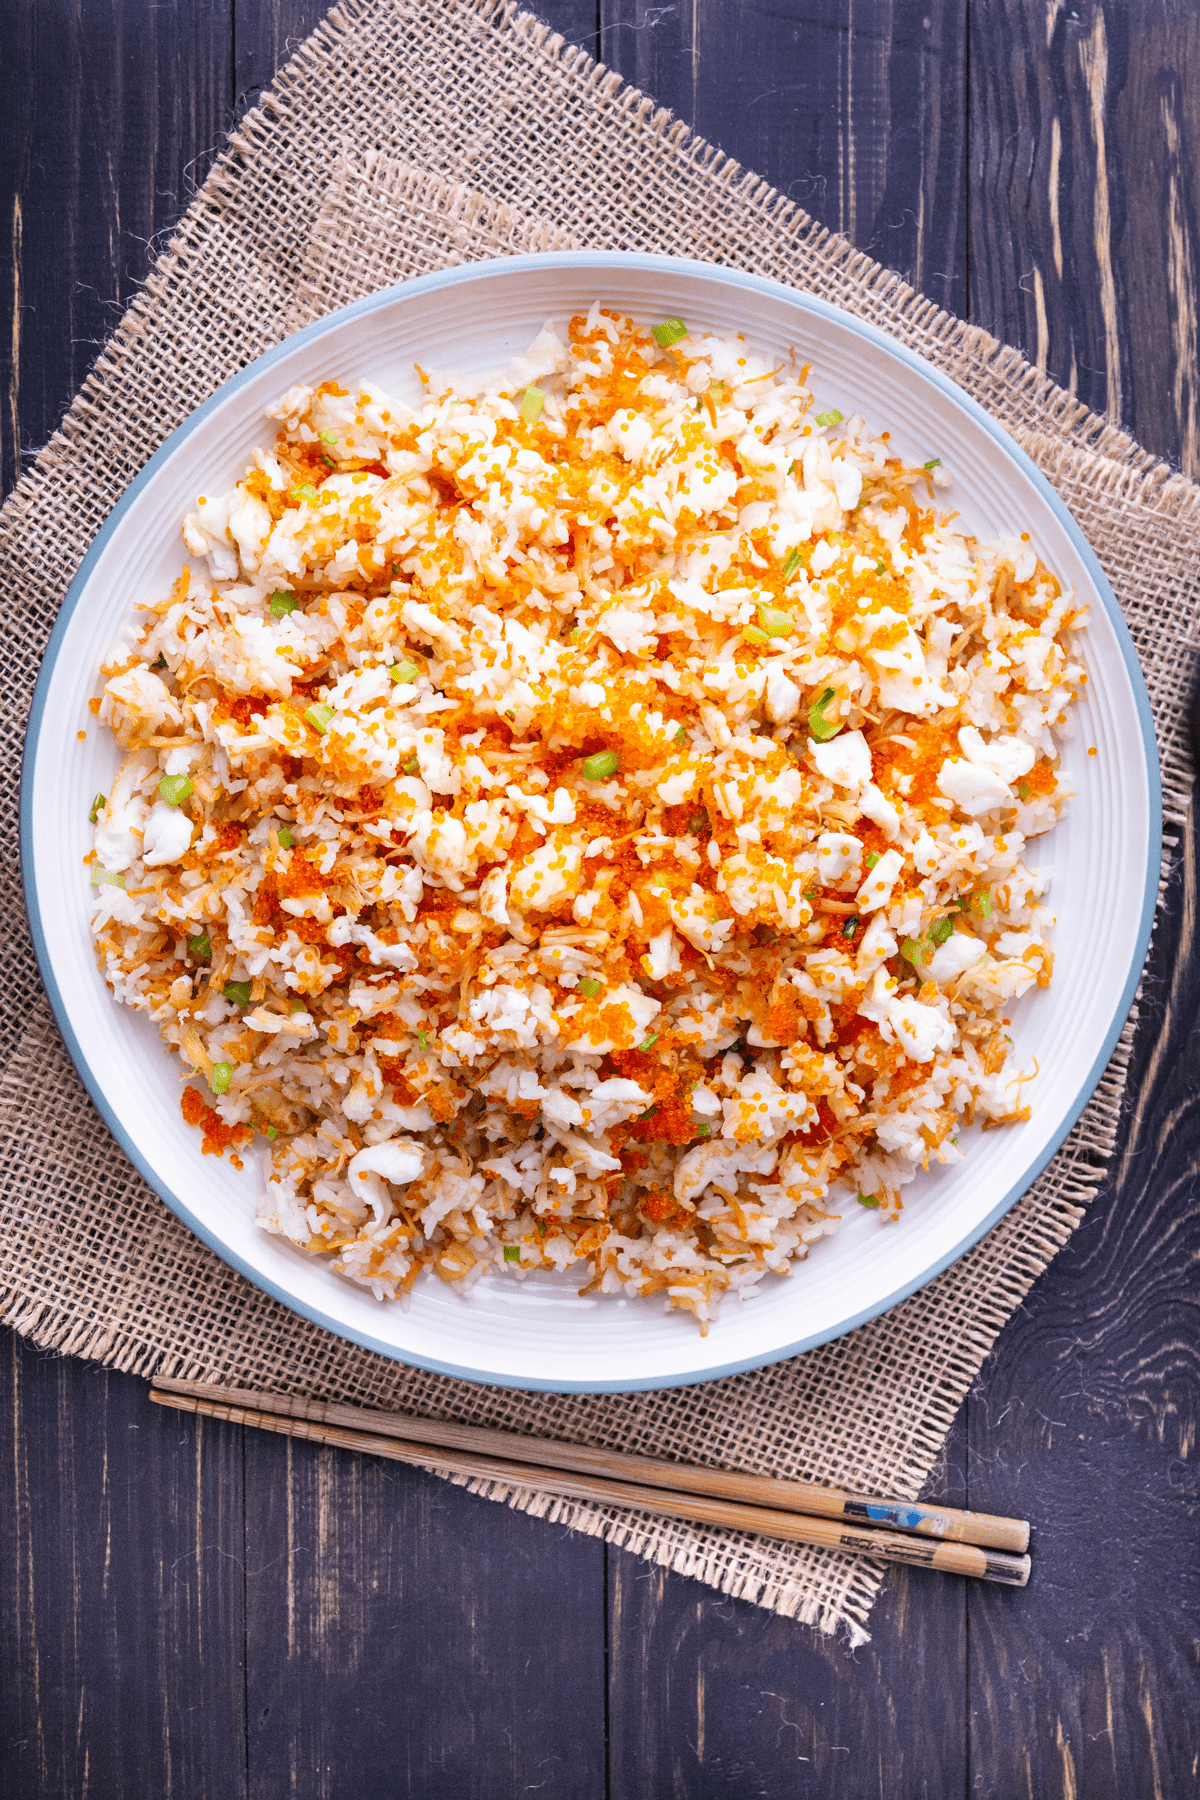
column 928, row 1537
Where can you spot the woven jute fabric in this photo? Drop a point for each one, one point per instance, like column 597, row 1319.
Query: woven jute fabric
column 407, row 135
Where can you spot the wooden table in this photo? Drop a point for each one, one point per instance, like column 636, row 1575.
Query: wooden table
column 193, row 1610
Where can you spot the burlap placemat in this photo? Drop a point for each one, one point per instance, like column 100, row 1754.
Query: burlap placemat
column 408, row 134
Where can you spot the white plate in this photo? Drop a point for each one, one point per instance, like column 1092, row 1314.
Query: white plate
column 541, row 1334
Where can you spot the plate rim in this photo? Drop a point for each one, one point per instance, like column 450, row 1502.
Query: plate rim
column 666, row 266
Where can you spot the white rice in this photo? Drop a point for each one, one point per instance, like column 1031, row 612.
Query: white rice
column 499, row 1006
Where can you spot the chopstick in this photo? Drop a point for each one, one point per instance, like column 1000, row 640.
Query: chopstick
column 945, row 1538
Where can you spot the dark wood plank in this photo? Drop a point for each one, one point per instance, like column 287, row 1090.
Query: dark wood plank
column 114, row 111
column 121, row 1590
column 405, row 1637
column 856, row 109
column 718, row 1698
column 1086, row 1416
column 1084, row 198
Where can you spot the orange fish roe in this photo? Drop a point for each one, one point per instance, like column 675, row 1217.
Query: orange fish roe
column 585, row 837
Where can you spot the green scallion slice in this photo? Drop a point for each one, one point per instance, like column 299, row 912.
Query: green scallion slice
column 272, row 1132
column 792, row 564
column 600, row 765
column 819, row 726
column 404, row 673
column 913, row 950
column 219, row 1080
column 942, row 930
column 532, row 402
column 98, row 806
column 283, row 603
column 200, row 946
column 327, row 437
column 411, row 765
column 934, row 463
column 648, row 1043
column 237, row 991
column 832, row 417
column 512, row 1253
column 776, row 623
column 850, row 928
column 422, row 1040
column 871, row 1200
column 669, row 332
column 286, row 840
column 590, row 987
column 872, row 858
column 754, row 634
column 102, row 877
column 303, row 490
column 319, row 716
column 703, row 1130
column 680, row 736
column 981, row 905
column 175, row 789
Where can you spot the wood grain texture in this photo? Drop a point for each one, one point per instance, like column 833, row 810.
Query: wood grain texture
column 121, row 1590
column 1084, row 198
column 190, row 1614
column 114, row 111
column 406, row 1637
column 855, row 109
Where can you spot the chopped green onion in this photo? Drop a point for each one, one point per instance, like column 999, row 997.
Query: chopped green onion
column 237, row 991
column 286, row 840
column 754, row 634
column 297, row 1006
column 327, row 437
column 913, row 950
column 328, row 461
column 411, row 764
column 850, row 927
column 574, row 635
column 680, row 736
column 219, row 1079
column 200, row 946
column 319, row 716
column 872, row 858
column 704, row 1130
column 404, row 673
column 942, row 930
column 304, row 490
column 102, row 877
column 422, row 1040
column 981, row 905
column 532, row 402
column 590, row 987
column 272, row 1132
column 833, row 417
column 649, row 1042
column 792, row 564
column 1024, row 789
column 283, row 603
column 668, row 333
column 512, row 1253
column 174, row 789
column 600, row 765
column 98, row 805
column 934, row 463
column 880, row 566
column 819, row 726
column 871, row 1200
column 776, row 623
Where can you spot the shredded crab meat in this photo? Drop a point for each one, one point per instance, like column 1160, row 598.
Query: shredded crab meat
column 594, row 835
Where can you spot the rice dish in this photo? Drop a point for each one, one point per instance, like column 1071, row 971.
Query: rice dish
column 580, row 824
